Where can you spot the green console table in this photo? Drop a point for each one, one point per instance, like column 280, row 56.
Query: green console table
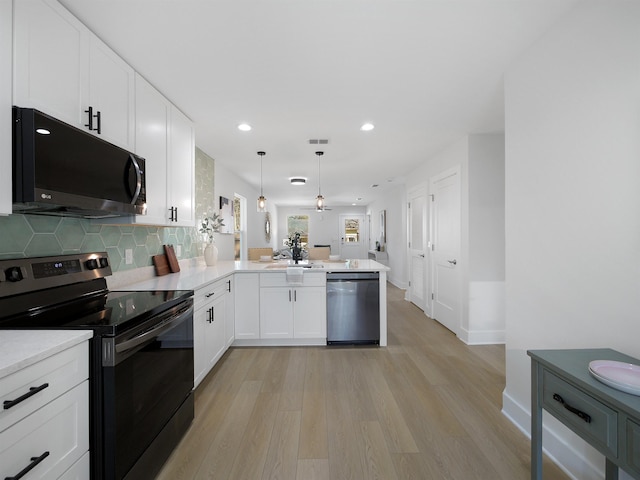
column 606, row 418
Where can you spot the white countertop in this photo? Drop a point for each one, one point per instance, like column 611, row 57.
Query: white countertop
column 21, row 348
column 191, row 277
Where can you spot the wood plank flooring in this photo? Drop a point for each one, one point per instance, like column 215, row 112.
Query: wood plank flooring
column 426, row 407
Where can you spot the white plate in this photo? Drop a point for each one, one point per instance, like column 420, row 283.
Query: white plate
column 619, row 375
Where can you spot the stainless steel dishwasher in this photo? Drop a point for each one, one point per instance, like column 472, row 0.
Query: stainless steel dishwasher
column 353, row 308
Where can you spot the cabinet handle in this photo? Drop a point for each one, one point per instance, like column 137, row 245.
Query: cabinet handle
column 213, row 315
column 229, row 286
column 34, row 461
column 90, row 124
column 174, row 214
column 295, row 295
column 584, row 416
column 210, row 312
column 98, row 117
column 7, row 404
column 289, row 294
column 210, row 294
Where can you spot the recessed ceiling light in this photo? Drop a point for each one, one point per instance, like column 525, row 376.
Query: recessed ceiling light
column 245, row 127
column 43, row 131
column 367, row 127
column 353, row 204
column 298, row 181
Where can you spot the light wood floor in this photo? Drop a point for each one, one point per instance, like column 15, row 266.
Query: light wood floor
column 426, row 407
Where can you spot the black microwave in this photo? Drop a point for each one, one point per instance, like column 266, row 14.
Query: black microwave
column 59, row 169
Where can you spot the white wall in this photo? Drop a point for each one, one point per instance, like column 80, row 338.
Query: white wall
column 394, row 201
column 484, row 242
column 573, row 202
column 227, row 184
column 6, row 126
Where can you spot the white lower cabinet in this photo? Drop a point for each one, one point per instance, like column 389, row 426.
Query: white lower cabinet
column 293, row 311
column 247, row 306
column 47, row 429
column 210, row 319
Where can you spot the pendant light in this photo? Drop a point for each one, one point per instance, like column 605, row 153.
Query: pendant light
column 262, row 201
column 319, row 198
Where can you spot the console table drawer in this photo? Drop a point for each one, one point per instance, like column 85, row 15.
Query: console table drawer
column 633, row 446
column 582, row 413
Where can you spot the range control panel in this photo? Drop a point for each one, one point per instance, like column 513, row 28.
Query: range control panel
column 23, row 275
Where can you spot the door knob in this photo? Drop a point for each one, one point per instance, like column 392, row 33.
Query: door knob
column 452, row 262
column 421, row 255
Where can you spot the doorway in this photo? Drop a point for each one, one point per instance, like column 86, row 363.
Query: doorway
column 417, row 212
column 239, row 226
column 352, row 236
column 445, row 248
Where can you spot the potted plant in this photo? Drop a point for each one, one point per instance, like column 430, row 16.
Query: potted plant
column 210, row 224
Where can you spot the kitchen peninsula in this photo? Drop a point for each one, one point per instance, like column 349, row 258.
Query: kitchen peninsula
column 253, row 303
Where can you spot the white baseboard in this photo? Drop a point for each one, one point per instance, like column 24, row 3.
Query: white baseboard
column 481, row 337
column 575, row 465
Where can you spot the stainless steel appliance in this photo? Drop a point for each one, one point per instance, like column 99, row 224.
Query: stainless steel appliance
column 141, row 355
column 353, row 308
column 61, row 170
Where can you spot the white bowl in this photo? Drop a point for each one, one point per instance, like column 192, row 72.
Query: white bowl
column 334, row 257
column 265, row 258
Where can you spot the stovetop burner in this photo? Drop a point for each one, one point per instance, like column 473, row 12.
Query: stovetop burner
column 70, row 291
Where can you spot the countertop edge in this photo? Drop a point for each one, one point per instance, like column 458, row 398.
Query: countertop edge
column 22, row 348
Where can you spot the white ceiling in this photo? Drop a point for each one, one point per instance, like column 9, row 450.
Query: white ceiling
column 424, row 72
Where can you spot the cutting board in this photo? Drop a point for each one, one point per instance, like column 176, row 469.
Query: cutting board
column 161, row 264
column 174, row 266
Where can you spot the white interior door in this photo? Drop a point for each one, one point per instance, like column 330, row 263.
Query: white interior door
column 445, row 245
column 352, row 237
column 417, row 212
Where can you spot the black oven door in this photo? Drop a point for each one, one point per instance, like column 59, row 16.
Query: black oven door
column 150, row 378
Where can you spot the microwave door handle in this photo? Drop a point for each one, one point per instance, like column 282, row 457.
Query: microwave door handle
column 138, row 179
column 143, row 337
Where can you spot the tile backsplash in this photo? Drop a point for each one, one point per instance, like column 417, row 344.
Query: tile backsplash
column 41, row 235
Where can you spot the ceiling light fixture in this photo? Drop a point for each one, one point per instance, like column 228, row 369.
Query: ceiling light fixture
column 319, row 198
column 298, row 181
column 245, row 127
column 367, row 127
column 262, row 202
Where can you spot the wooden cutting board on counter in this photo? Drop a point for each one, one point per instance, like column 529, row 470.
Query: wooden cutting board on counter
column 161, row 263
column 174, row 266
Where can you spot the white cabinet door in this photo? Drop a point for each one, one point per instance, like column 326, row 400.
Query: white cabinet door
column 310, row 312
column 180, row 185
column 276, row 312
column 229, row 319
column 6, row 42
column 111, row 95
column 152, row 126
column 63, row 69
column 247, row 306
column 50, row 56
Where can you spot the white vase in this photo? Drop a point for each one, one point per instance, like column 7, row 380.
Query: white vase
column 210, row 254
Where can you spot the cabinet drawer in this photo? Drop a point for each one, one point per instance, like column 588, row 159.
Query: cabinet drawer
column 79, row 470
column 279, row 279
column 60, row 428
column 633, row 447
column 210, row 292
column 52, row 377
column 567, row 403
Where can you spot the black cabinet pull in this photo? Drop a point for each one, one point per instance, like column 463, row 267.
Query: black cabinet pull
column 174, row 214
column 90, row 124
column 98, row 117
column 229, row 286
column 584, row 416
column 7, row 404
column 34, row 461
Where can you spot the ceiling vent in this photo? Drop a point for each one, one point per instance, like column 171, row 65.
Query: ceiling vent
column 318, row 141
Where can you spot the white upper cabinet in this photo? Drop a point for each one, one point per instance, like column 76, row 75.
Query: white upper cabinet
column 6, row 40
column 180, row 172
column 152, row 138
column 64, row 70
column 111, row 95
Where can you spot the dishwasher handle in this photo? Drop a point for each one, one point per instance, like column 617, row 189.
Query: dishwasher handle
column 352, row 276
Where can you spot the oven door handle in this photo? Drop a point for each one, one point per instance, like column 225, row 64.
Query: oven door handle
column 159, row 330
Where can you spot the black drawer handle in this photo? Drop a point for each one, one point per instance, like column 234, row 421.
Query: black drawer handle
column 584, row 416
column 32, row 391
column 34, row 461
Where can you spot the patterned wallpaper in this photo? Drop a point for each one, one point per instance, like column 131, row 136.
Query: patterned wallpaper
column 40, row 235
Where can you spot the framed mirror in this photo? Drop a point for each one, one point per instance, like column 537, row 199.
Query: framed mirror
column 383, row 227
column 267, row 227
